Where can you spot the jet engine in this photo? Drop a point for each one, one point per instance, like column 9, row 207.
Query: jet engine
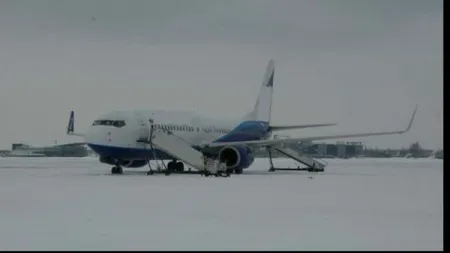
column 236, row 157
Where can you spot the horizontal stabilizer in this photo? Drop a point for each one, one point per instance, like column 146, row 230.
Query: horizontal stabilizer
column 280, row 128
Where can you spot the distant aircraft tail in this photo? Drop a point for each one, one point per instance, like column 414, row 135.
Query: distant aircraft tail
column 263, row 106
column 71, row 125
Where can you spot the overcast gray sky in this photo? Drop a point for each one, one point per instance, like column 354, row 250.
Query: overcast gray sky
column 362, row 64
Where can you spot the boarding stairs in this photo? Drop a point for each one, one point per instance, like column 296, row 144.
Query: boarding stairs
column 313, row 165
column 182, row 150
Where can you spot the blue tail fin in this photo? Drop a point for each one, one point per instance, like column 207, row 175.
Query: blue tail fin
column 263, row 106
column 255, row 124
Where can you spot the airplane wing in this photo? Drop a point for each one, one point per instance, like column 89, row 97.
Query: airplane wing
column 72, row 144
column 280, row 128
column 268, row 143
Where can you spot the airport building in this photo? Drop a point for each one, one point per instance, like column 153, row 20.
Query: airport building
column 338, row 149
column 323, row 150
column 64, row 150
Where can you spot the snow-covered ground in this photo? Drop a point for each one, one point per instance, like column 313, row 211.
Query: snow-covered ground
column 356, row 204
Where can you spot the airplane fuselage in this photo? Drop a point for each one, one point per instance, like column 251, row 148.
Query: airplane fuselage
column 115, row 135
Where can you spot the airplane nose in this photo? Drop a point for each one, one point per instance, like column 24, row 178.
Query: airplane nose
column 93, row 136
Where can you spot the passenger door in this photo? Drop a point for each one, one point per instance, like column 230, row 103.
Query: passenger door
column 143, row 126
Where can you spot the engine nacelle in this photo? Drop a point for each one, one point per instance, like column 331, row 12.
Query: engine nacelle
column 124, row 163
column 236, row 157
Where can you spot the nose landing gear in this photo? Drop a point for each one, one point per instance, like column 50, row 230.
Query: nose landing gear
column 116, row 170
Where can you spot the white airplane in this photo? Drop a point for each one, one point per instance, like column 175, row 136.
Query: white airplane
column 132, row 138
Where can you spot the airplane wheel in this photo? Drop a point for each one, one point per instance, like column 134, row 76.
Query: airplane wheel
column 180, row 166
column 171, row 166
column 238, row 171
column 116, row 170
column 229, row 171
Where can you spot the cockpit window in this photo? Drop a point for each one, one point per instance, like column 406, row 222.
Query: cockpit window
column 104, row 122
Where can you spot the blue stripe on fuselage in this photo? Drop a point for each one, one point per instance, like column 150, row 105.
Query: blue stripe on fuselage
column 246, row 131
column 129, row 153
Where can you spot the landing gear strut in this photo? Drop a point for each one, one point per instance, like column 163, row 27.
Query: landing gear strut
column 272, row 168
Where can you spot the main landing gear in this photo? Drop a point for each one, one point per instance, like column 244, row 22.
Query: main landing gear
column 175, row 166
column 172, row 167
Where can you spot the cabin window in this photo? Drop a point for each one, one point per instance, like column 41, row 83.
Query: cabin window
column 104, row 122
column 119, row 123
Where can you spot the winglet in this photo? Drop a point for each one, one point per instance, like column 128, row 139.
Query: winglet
column 412, row 120
column 70, row 126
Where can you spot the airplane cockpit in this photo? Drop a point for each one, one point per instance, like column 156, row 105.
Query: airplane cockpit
column 114, row 123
